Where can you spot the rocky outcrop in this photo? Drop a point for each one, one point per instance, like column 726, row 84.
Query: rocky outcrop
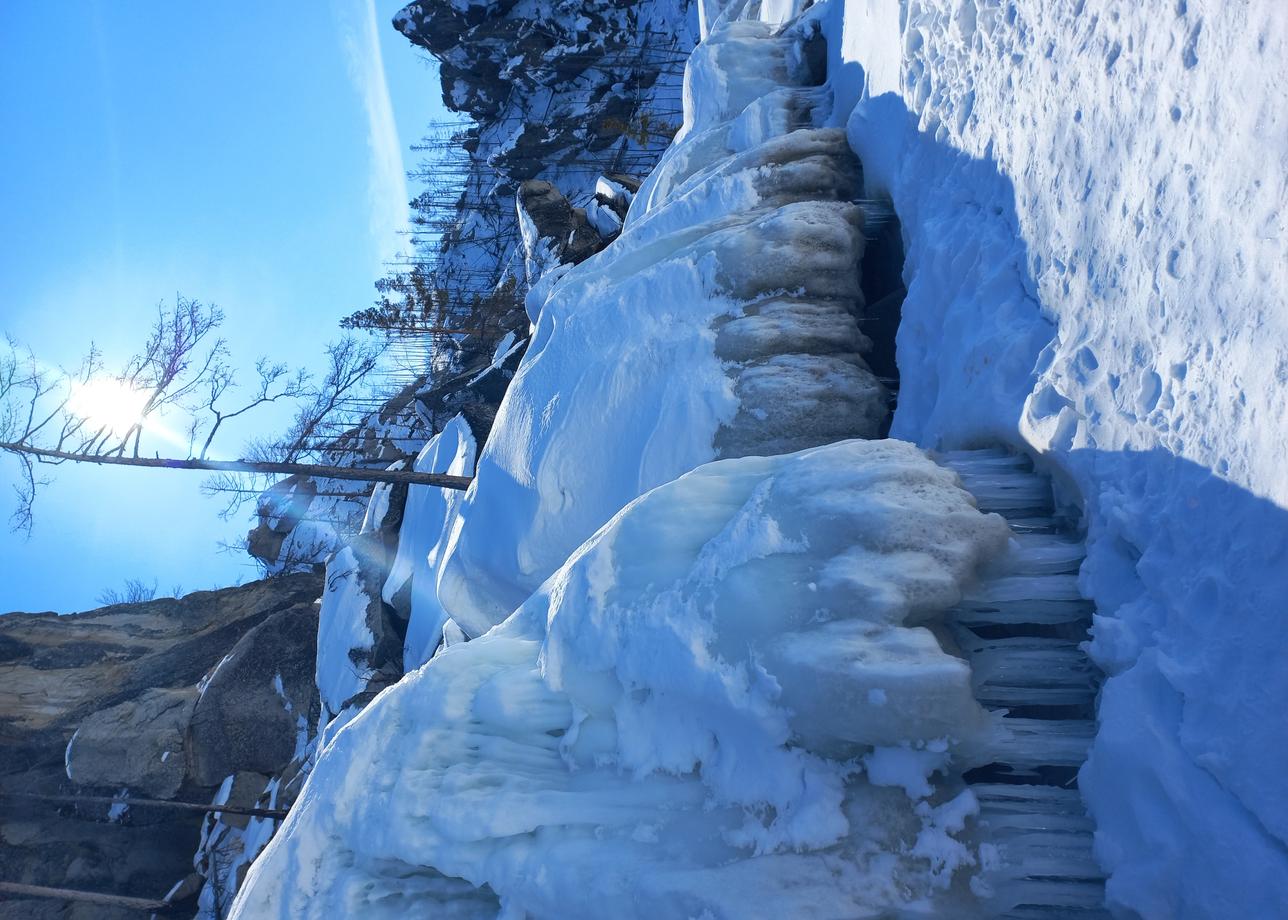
column 138, row 744
column 570, row 103
column 553, row 231
column 256, row 711
column 121, row 684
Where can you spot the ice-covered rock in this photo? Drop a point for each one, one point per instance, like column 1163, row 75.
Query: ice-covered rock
column 722, row 322
column 654, row 733
column 413, row 577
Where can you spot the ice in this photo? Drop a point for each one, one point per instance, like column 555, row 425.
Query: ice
column 343, row 635
column 632, row 731
column 722, row 322
column 426, row 520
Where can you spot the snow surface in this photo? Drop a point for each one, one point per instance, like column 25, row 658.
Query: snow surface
column 624, row 385
column 649, row 731
column 342, row 630
column 427, row 517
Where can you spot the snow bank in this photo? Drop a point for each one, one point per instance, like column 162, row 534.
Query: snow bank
column 344, row 637
column 653, row 733
column 1091, row 197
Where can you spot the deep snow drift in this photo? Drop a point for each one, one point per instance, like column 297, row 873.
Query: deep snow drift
column 1092, row 199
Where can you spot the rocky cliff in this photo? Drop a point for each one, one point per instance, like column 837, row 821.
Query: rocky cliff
column 159, row 700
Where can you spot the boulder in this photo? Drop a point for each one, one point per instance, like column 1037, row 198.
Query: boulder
column 116, row 668
column 258, row 702
column 554, row 228
column 138, row 744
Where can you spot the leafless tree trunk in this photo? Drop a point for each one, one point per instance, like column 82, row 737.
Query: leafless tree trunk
column 48, row 417
column 319, row 470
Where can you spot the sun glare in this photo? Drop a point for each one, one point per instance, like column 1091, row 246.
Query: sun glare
column 108, row 404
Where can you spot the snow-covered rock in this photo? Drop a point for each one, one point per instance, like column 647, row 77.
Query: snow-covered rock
column 423, row 538
column 639, row 731
column 654, row 733
column 722, row 322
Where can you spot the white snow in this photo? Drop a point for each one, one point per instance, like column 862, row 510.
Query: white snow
column 626, row 383
column 426, row 529
column 1092, row 202
column 507, row 346
column 343, row 634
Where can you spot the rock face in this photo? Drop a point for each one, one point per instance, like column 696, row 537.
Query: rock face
column 138, row 744
column 553, row 230
column 123, row 680
column 259, row 701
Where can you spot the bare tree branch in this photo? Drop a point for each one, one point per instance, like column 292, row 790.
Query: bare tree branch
column 50, row 416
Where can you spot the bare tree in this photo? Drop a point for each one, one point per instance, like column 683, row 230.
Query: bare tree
column 136, row 591
column 50, row 416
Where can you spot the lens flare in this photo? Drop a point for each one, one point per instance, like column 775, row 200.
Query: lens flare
column 108, row 404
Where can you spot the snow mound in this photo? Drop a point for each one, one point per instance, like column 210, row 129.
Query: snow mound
column 730, row 699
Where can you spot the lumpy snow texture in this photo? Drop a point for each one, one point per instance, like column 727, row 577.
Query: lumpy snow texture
column 344, row 639
column 1091, row 196
column 660, row 730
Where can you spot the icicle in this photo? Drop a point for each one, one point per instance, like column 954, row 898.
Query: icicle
column 1020, row 629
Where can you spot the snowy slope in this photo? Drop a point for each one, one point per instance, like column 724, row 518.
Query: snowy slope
column 1092, row 203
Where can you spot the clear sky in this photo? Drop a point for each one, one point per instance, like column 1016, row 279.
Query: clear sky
column 243, row 153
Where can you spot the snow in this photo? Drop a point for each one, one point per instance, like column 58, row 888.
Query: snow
column 425, row 531
column 117, row 813
column 612, row 399
column 682, row 691
column 506, row 347
column 1091, row 199
column 603, row 220
column 342, row 632
column 636, row 718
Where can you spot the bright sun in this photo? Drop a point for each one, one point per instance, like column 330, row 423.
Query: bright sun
column 108, row 404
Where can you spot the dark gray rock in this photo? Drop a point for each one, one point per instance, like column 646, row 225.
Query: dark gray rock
column 128, row 658
column 559, row 226
column 258, row 701
column 138, row 744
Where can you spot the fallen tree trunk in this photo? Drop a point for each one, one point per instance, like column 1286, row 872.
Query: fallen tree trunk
column 88, row 897
column 317, row 470
column 277, row 813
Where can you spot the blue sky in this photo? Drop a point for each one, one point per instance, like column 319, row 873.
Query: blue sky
column 245, row 154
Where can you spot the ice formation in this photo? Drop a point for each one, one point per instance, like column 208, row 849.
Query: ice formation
column 722, row 322
column 427, row 519
column 731, row 698
column 700, row 684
